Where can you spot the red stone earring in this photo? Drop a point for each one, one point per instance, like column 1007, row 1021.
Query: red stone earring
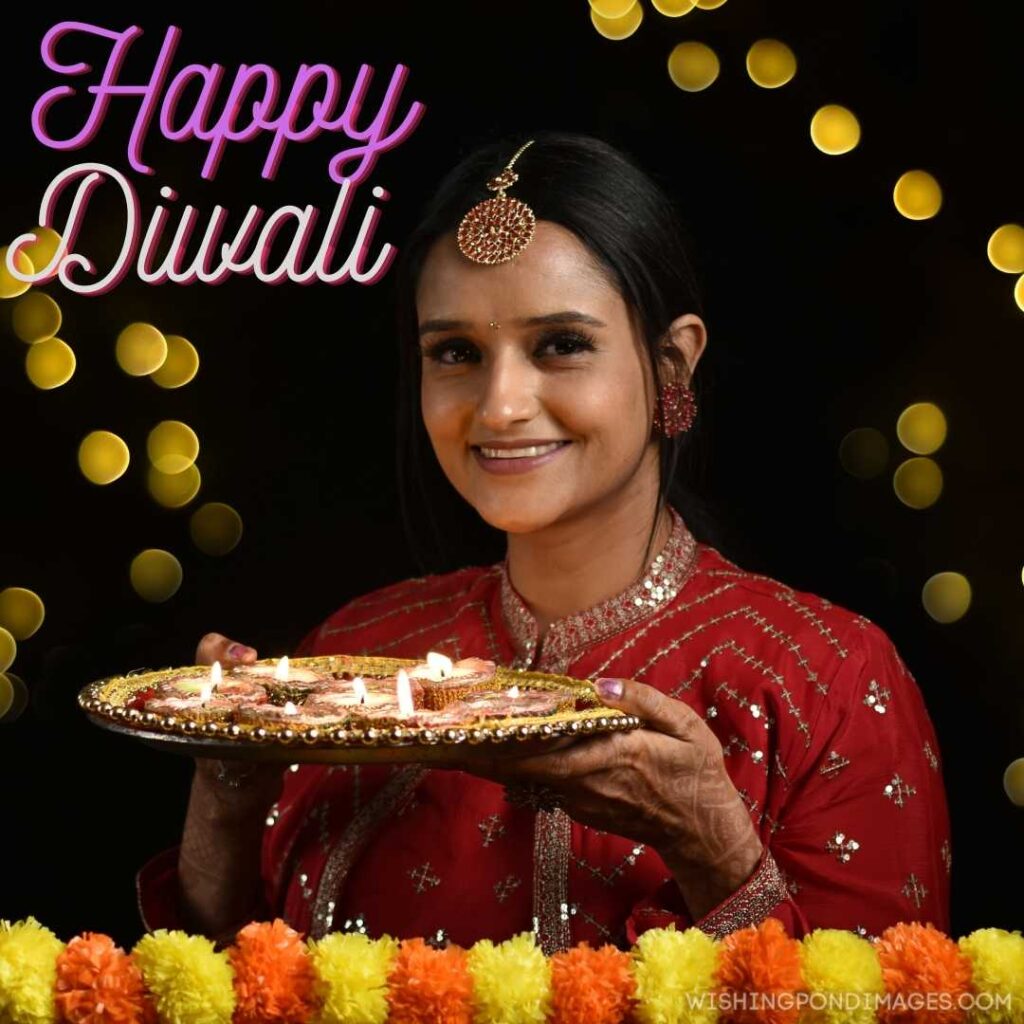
column 680, row 407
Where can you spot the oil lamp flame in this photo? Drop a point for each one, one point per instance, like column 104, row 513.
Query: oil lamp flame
column 512, row 692
column 215, row 674
column 206, row 692
column 441, row 664
column 281, row 672
column 404, row 693
column 290, row 708
column 359, row 688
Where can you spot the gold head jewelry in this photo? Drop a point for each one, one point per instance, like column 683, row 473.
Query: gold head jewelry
column 498, row 229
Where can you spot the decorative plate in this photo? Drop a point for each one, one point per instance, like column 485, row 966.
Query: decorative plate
column 107, row 701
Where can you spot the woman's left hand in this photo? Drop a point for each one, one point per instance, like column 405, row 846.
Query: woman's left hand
column 665, row 786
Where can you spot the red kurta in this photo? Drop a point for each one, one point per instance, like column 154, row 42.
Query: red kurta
column 825, row 736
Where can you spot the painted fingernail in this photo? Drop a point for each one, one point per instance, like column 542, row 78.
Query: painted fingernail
column 238, row 651
column 609, row 688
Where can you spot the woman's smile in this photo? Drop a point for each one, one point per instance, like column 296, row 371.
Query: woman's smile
column 517, row 456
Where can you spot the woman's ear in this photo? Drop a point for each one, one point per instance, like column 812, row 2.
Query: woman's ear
column 686, row 339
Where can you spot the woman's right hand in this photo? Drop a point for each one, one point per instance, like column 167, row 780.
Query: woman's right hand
column 237, row 782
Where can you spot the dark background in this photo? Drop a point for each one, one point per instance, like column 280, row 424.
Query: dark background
column 827, row 311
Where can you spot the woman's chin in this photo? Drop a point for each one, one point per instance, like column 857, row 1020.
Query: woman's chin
column 517, row 519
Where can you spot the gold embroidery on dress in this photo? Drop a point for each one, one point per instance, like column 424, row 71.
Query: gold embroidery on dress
column 751, row 904
column 843, row 848
column 423, row 878
column 412, row 606
column 507, row 886
column 897, row 790
column 914, row 890
column 552, row 842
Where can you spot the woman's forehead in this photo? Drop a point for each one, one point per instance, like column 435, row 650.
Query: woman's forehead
column 555, row 271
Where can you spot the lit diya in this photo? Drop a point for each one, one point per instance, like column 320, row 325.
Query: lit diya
column 445, row 681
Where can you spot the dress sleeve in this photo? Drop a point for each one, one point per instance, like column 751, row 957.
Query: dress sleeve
column 861, row 837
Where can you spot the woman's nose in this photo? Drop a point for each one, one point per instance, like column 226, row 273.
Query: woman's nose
column 509, row 394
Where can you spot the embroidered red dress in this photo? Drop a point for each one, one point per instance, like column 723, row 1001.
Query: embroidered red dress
column 824, row 730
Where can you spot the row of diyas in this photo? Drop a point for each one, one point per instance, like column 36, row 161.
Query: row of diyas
column 435, row 693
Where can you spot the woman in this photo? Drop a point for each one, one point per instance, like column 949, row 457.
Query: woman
column 788, row 766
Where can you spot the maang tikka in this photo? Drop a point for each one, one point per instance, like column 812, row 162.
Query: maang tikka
column 500, row 228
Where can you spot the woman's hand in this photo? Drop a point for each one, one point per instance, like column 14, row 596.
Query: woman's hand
column 664, row 785
column 237, row 783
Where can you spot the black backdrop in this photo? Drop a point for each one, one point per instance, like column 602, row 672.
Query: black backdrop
column 827, row 311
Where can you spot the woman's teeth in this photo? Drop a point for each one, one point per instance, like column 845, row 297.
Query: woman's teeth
column 521, row 453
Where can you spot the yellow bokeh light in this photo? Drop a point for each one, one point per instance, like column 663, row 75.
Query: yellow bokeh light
column 216, row 528
column 947, row 596
column 180, row 366
column 921, row 428
column 621, row 27
column 1013, row 782
column 770, row 63
column 140, row 349
column 835, row 130
column 864, row 452
column 8, row 649
column 43, row 249
column 709, row 5
column 50, row 363
column 174, row 490
column 172, row 446
column 36, row 317
column 917, row 195
column 1006, row 249
column 611, row 9
column 13, row 697
column 673, row 8
column 692, row 66
column 918, row 482
column 21, row 612
column 10, row 286
column 102, row 457
column 1018, row 292
column 155, row 574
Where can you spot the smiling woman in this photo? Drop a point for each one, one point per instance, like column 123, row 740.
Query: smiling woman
column 788, row 767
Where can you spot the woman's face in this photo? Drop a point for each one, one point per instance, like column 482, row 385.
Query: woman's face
column 535, row 389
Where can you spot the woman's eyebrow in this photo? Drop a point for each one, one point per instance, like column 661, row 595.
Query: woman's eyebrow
column 567, row 316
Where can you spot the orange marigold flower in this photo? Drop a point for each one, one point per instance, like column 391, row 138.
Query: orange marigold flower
column 764, row 960
column 591, row 986
column 274, row 977
column 97, row 983
column 429, row 986
column 918, row 958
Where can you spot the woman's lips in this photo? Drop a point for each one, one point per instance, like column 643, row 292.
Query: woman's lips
column 518, row 464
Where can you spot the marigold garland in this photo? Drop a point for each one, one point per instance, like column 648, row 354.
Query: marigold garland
column 274, row 978
column 911, row 974
column 190, row 983
column 997, row 968
column 917, row 958
column 761, row 959
column 430, row 986
column 592, row 986
column 511, row 981
column 98, row 983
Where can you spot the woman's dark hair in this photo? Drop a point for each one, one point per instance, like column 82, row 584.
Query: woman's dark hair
column 628, row 224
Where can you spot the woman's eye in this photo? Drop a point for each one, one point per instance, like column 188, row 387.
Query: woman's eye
column 451, row 352
column 567, row 344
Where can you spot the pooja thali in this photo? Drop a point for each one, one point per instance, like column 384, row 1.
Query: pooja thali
column 345, row 709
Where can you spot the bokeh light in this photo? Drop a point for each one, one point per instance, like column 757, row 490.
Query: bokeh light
column 173, row 490
column 864, row 452
column 13, row 697
column 172, row 446
column 216, row 528
column 946, row 596
column 155, row 574
column 917, row 195
column 918, row 482
column 1013, row 782
column 921, row 428
column 1018, row 292
column 1006, row 249
column 102, row 457
column 692, row 66
column 21, row 612
column 50, row 363
column 180, row 366
column 43, row 249
column 36, row 317
column 140, row 349
column 611, row 9
column 673, row 8
column 8, row 649
column 770, row 63
column 621, row 27
column 10, row 286
column 709, row 5
column 835, row 130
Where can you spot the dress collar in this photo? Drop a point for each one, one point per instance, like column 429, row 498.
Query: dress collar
column 569, row 637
